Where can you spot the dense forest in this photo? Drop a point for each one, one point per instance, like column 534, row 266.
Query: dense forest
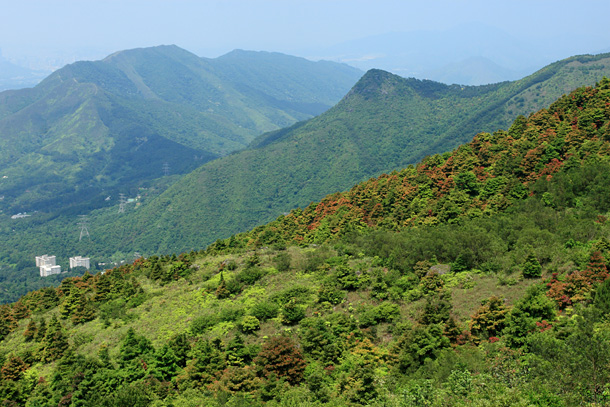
column 476, row 278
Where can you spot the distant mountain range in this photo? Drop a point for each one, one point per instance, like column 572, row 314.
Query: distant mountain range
column 468, row 54
column 93, row 128
column 15, row 77
column 385, row 122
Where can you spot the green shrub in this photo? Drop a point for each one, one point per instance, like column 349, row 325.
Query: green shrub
column 250, row 324
column 387, row 311
column 298, row 294
column 331, row 294
column 253, row 260
column 346, row 277
column 282, row 261
column 201, row 323
column 265, row 310
column 336, row 261
column 292, row 313
column 407, row 282
column 234, row 286
column 250, row 275
column 230, row 314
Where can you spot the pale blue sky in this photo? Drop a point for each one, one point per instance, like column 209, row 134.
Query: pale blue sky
column 94, row 28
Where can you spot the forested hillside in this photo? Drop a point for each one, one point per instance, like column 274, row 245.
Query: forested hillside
column 94, row 129
column 384, row 123
column 479, row 178
column 478, row 277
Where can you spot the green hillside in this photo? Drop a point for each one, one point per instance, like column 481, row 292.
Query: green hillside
column 94, row 129
column 384, row 123
column 492, row 290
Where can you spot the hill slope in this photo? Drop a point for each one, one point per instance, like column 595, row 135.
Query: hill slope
column 94, row 126
column 480, row 178
column 385, row 122
column 465, row 310
column 381, row 125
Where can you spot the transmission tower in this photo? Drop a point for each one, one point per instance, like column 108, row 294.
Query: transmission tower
column 82, row 222
column 122, row 202
column 166, row 169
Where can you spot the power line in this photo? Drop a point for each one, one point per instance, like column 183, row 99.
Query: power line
column 166, row 169
column 122, row 202
column 84, row 231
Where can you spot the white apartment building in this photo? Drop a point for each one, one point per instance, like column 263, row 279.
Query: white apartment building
column 79, row 261
column 47, row 265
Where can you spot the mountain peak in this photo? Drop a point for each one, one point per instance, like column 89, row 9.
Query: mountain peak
column 377, row 82
column 374, row 82
column 168, row 50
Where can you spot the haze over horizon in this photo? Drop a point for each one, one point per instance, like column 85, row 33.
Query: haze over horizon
column 433, row 40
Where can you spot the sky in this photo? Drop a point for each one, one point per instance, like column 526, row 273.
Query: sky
column 59, row 30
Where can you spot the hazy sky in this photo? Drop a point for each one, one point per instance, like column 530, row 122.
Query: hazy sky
column 31, row 28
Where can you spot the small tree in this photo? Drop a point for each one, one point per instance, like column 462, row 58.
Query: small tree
column 292, row 313
column 437, row 309
column 41, row 331
column 55, row 343
column 156, row 272
column 596, row 270
column 602, row 297
column 165, row 363
column 13, row 368
column 250, row 324
column 7, row 321
column 30, row 331
column 531, row 267
column 280, row 356
column 222, row 291
column 490, row 319
column 83, row 310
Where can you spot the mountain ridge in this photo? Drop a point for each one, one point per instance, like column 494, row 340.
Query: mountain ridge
column 308, row 159
column 141, row 96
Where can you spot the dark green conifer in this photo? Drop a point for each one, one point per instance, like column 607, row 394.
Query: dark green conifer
column 13, row 368
column 55, row 343
column 83, row 311
column 181, row 347
column 41, row 331
column 30, row 331
column 531, row 267
column 156, row 273
column 165, row 363
column 222, row 291
column 102, row 288
column 20, row 311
